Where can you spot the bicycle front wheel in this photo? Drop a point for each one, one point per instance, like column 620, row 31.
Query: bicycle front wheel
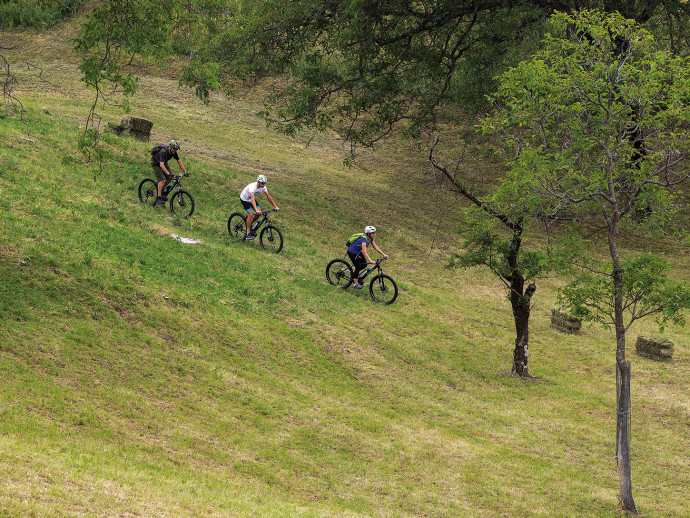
column 383, row 289
column 148, row 190
column 339, row 273
column 271, row 239
column 237, row 225
column 182, row 204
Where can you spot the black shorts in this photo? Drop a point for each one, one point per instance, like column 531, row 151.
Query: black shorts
column 248, row 205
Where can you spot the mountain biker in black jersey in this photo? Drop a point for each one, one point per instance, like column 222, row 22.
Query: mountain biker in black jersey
column 159, row 163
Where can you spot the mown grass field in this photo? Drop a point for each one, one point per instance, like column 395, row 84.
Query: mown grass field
column 144, row 377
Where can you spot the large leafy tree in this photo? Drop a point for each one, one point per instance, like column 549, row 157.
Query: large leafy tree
column 599, row 120
column 365, row 66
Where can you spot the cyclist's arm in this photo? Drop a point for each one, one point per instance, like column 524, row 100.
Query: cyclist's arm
column 182, row 166
column 271, row 200
column 258, row 210
column 376, row 247
column 365, row 253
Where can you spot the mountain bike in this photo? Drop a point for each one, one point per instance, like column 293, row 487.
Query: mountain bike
column 270, row 237
column 181, row 202
column 382, row 287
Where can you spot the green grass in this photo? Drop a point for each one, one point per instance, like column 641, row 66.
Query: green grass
column 145, row 377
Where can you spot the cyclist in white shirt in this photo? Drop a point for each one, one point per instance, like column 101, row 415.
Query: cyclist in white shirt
column 248, row 199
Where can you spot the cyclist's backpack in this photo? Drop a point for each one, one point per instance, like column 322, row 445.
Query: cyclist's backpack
column 353, row 238
column 155, row 151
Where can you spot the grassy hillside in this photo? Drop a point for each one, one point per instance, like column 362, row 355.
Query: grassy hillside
column 144, row 377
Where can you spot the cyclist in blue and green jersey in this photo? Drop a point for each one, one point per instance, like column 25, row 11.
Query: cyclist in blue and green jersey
column 358, row 253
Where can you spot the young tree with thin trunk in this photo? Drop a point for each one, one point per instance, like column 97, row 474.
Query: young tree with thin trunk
column 600, row 121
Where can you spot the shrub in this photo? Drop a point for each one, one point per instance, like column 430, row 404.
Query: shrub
column 38, row 14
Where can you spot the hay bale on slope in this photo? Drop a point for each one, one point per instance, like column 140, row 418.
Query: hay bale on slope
column 135, row 127
column 565, row 323
column 654, row 348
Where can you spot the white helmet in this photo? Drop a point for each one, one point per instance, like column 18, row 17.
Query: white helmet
column 369, row 229
column 261, row 178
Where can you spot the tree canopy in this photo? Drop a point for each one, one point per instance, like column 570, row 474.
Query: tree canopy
column 363, row 67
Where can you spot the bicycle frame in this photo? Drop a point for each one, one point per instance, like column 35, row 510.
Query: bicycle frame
column 257, row 224
column 363, row 273
column 382, row 287
column 377, row 266
column 169, row 188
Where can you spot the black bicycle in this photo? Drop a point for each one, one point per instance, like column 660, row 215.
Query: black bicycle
column 270, row 237
column 382, row 287
column 181, row 202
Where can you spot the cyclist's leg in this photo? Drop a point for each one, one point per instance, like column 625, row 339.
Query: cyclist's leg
column 162, row 179
column 254, row 218
column 248, row 209
column 359, row 262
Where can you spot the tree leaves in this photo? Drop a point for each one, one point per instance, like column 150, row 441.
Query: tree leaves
column 646, row 290
column 594, row 118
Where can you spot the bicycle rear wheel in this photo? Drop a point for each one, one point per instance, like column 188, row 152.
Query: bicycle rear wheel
column 182, row 204
column 339, row 273
column 271, row 239
column 237, row 225
column 148, row 190
column 383, row 289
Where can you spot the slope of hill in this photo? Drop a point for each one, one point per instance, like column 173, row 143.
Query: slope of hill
column 145, row 377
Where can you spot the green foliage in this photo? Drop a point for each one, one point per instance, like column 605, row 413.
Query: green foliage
column 359, row 67
column 115, row 34
column 646, row 290
column 487, row 245
column 204, row 78
column 598, row 119
column 363, row 67
column 669, row 24
column 118, row 31
column 571, row 109
column 38, row 14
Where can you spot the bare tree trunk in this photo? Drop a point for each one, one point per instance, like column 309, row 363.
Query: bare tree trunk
column 521, row 311
column 623, row 400
column 623, row 439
